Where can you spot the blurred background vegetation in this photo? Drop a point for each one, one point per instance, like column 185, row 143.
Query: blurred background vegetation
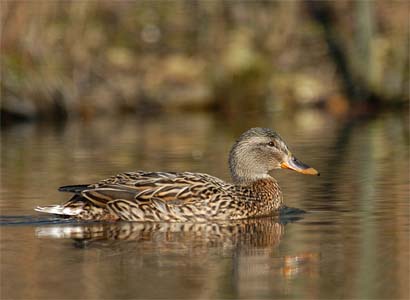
column 68, row 59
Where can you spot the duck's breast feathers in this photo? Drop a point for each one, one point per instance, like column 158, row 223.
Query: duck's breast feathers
column 142, row 186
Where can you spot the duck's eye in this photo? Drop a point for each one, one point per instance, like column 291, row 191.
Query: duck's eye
column 271, row 144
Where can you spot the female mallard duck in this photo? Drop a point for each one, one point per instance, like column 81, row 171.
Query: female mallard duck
column 180, row 197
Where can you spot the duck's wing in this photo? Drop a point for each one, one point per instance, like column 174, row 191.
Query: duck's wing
column 143, row 187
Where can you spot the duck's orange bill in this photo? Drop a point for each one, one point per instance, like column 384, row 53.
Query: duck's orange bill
column 298, row 166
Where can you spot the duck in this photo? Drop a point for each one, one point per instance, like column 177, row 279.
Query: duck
column 190, row 197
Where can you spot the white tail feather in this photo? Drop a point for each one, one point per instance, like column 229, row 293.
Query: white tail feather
column 59, row 210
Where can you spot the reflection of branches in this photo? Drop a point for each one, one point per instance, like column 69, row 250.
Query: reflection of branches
column 255, row 232
column 336, row 161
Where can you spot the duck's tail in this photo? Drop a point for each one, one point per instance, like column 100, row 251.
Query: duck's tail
column 59, row 210
column 77, row 189
column 71, row 208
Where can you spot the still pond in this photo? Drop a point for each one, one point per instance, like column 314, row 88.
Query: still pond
column 352, row 242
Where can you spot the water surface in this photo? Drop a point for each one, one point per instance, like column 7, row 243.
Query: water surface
column 353, row 242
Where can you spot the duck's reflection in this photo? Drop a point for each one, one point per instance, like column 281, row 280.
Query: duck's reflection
column 259, row 232
column 247, row 250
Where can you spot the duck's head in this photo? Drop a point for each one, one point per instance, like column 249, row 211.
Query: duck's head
column 258, row 151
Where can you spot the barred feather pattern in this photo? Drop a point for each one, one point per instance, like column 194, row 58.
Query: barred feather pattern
column 175, row 197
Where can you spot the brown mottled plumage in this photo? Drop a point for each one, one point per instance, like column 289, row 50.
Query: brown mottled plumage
column 182, row 197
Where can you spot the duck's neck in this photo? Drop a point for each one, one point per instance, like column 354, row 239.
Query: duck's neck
column 249, row 180
column 266, row 190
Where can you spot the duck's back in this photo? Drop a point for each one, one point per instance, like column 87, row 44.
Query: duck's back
column 141, row 186
column 146, row 196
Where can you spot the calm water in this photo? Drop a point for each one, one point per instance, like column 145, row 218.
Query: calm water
column 353, row 242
